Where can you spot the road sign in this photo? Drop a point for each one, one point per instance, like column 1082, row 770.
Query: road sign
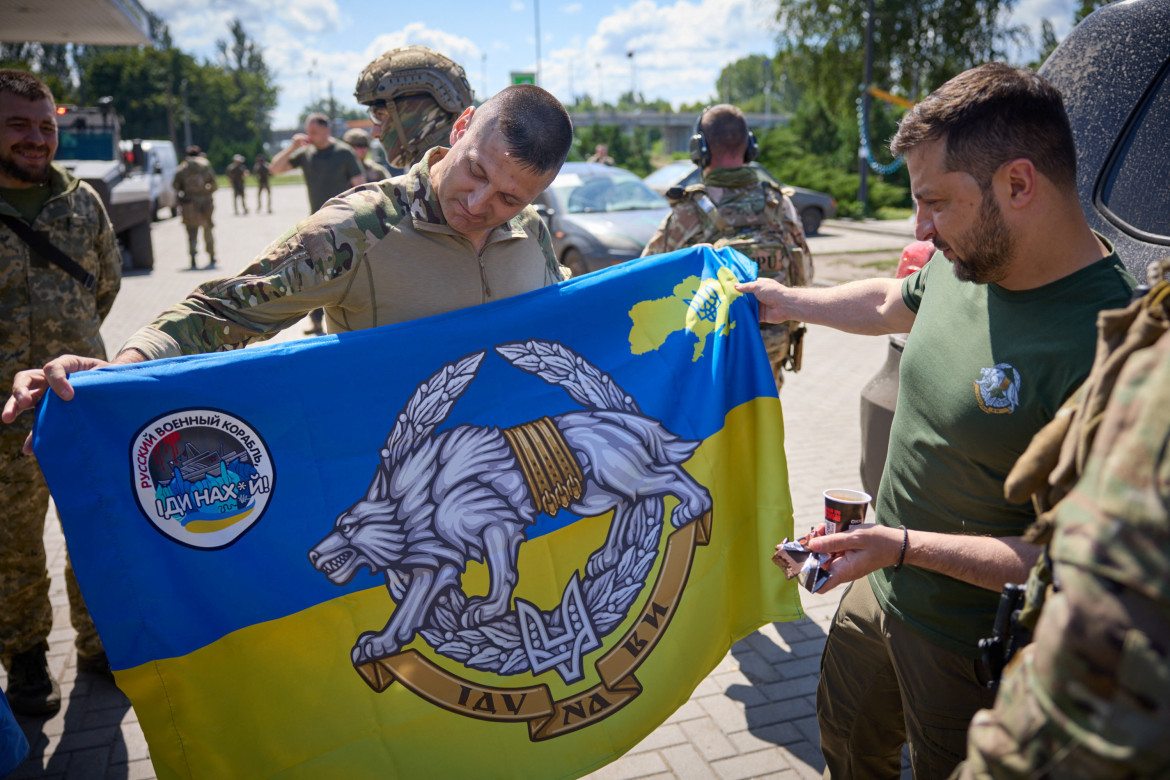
column 523, row 77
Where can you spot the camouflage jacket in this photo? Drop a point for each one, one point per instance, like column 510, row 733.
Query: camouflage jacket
column 45, row 311
column 194, row 180
column 747, row 207
column 236, row 173
column 260, row 171
column 1090, row 697
column 381, row 253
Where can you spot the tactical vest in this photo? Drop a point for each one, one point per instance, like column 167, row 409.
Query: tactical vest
column 755, row 224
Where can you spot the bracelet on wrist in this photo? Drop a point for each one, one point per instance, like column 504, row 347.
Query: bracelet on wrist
column 905, row 541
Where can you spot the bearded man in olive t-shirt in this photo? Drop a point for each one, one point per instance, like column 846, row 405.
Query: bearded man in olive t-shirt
column 1002, row 327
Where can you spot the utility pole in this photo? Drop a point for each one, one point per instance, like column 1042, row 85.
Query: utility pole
column 767, row 92
column 186, row 116
column 863, row 159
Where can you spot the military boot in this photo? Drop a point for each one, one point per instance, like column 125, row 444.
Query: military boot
column 31, row 687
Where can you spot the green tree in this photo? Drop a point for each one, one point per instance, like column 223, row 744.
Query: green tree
column 917, row 44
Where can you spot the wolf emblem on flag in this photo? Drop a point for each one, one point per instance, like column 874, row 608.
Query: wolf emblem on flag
column 439, row 500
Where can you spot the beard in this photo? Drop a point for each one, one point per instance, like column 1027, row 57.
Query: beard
column 38, row 175
column 991, row 245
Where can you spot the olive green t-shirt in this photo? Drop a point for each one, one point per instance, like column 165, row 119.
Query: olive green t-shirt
column 983, row 370
column 328, row 171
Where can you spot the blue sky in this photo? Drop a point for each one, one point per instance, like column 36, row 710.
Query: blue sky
column 679, row 45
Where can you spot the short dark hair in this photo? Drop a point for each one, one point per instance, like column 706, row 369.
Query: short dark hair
column 725, row 128
column 317, row 118
column 23, row 84
column 992, row 114
column 194, row 151
column 535, row 126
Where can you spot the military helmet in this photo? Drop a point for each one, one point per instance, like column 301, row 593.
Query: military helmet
column 423, row 92
column 355, row 136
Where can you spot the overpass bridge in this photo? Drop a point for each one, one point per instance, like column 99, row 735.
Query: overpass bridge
column 676, row 128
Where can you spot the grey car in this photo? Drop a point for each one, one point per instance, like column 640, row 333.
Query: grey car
column 812, row 206
column 1114, row 72
column 599, row 215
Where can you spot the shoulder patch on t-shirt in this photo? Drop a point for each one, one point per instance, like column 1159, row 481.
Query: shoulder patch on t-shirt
column 998, row 389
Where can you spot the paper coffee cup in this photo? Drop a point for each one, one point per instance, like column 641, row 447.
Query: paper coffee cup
column 844, row 507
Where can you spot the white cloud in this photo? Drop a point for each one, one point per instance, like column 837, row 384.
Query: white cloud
column 679, row 49
column 572, row 8
column 517, row 6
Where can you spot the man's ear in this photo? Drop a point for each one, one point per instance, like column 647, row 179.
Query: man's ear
column 459, row 129
column 1019, row 179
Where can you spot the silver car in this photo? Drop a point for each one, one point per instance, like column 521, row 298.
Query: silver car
column 599, row 215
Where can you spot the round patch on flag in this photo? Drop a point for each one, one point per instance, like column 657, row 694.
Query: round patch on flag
column 202, row 477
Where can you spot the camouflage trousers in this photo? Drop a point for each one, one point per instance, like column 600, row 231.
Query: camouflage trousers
column 26, row 616
column 193, row 239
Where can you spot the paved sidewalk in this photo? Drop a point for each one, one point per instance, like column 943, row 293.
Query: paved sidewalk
column 753, row 716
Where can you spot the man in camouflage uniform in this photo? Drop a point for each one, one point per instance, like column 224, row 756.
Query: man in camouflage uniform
column 360, row 141
column 236, row 173
column 1090, row 697
column 260, row 171
column 194, row 180
column 47, row 313
column 454, row 231
column 736, row 206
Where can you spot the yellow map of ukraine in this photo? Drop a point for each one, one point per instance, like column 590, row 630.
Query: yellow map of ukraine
column 702, row 305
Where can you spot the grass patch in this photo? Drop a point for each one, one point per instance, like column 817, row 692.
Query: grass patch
column 295, row 177
column 893, row 212
column 888, row 264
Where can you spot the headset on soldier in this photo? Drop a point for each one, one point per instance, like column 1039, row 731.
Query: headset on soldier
column 701, row 150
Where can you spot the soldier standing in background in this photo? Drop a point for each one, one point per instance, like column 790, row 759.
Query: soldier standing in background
column 414, row 95
column 330, row 168
column 60, row 270
column 236, row 173
column 195, row 182
column 260, row 171
column 735, row 206
column 1090, row 697
column 360, row 141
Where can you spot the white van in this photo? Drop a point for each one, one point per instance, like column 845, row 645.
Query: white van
column 156, row 161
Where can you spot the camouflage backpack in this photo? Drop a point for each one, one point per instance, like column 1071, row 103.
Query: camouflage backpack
column 754, row 221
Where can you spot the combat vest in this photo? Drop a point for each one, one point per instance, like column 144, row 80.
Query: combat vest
column 753, row 221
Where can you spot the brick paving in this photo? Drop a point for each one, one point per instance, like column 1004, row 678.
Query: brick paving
column 752, row 716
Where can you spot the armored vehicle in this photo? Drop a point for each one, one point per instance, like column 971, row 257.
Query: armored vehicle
column 89, row 148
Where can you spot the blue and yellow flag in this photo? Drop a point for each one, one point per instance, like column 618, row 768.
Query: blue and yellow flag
column 507, row 541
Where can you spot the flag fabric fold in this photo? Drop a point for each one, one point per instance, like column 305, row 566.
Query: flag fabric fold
column 506, row 541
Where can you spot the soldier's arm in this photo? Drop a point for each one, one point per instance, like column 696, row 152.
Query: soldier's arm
column 282, row 161
column 274, row 292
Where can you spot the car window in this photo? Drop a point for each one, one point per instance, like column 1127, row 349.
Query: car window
column 618, row 190
column 1133, row 191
